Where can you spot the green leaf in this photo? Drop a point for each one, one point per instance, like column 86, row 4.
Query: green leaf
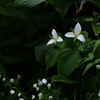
column 30, row 3
column 40, row 51
column 96, row 2
column 58, row 78
column 67, row 61
column 97, row 61
column 61, row 6
column 88, row 19
column 12, row 12
column 51, row 56
column 91, row 55
column 85, row 34
column 88, row 66
column 97, row 43
column 96, row 28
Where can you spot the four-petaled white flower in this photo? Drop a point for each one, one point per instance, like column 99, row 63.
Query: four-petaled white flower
column 76, row 33
column 55, row 38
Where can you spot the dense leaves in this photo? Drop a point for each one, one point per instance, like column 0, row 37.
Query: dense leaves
column 67, row 61
column 25, row 26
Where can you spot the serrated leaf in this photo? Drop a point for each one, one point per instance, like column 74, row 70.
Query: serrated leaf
column 88, row 66
column 51, row 56
column 67, row 61
column 57, row 78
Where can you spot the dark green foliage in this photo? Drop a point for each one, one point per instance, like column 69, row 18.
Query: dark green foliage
column 25, row 26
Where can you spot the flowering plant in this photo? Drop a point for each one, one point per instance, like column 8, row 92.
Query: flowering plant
column 74, row 56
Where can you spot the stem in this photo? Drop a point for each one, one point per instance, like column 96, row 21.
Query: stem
column 21, row 93
column 75, row 95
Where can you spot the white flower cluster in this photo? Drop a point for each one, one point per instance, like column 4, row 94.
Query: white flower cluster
column 11, row 81
column 12, row 92
column 41, row 84
column 38, row 85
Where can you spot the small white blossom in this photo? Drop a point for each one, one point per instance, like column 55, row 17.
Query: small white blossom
column 18, row 76
column 98, row 66
column 19, row 94
column 0, row 75
column 37, row 88
column 76, row 33
column 44, row 81
column 11, row 80
column 55, row 38
column 50, row 97
column 3, row 79
column 35, row 85
column 99, row 94
column 40, row 95
column 33, row 97
column 49, row 85
column 21, row 99
column 12, row 92
column 39, row 82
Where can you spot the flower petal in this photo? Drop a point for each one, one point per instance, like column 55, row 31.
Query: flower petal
column 59, row 39
column 81, row 38
column 51, row 41
column 54, row 34
column 77, row 28
column 69, row 34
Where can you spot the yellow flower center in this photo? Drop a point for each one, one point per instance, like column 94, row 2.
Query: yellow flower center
column 76, row 34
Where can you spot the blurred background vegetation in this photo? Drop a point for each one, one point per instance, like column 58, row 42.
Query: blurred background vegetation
column 25, row 26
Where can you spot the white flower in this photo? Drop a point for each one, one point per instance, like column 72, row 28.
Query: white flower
column 12, row 92
column 39, row 82
column 18, row 76
column 98, row 66
column 35, row 85
column 37, row 88
column 3, row 79
column 0, row 75
column 40, row 95
column 76, row 33
column 21, row 99
column 49, row 85
column 99, row 94
column 44, row 81
column 55, row 38
column 50, row 97
column 11, row 80
column 19, row 94
column 33, row 97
